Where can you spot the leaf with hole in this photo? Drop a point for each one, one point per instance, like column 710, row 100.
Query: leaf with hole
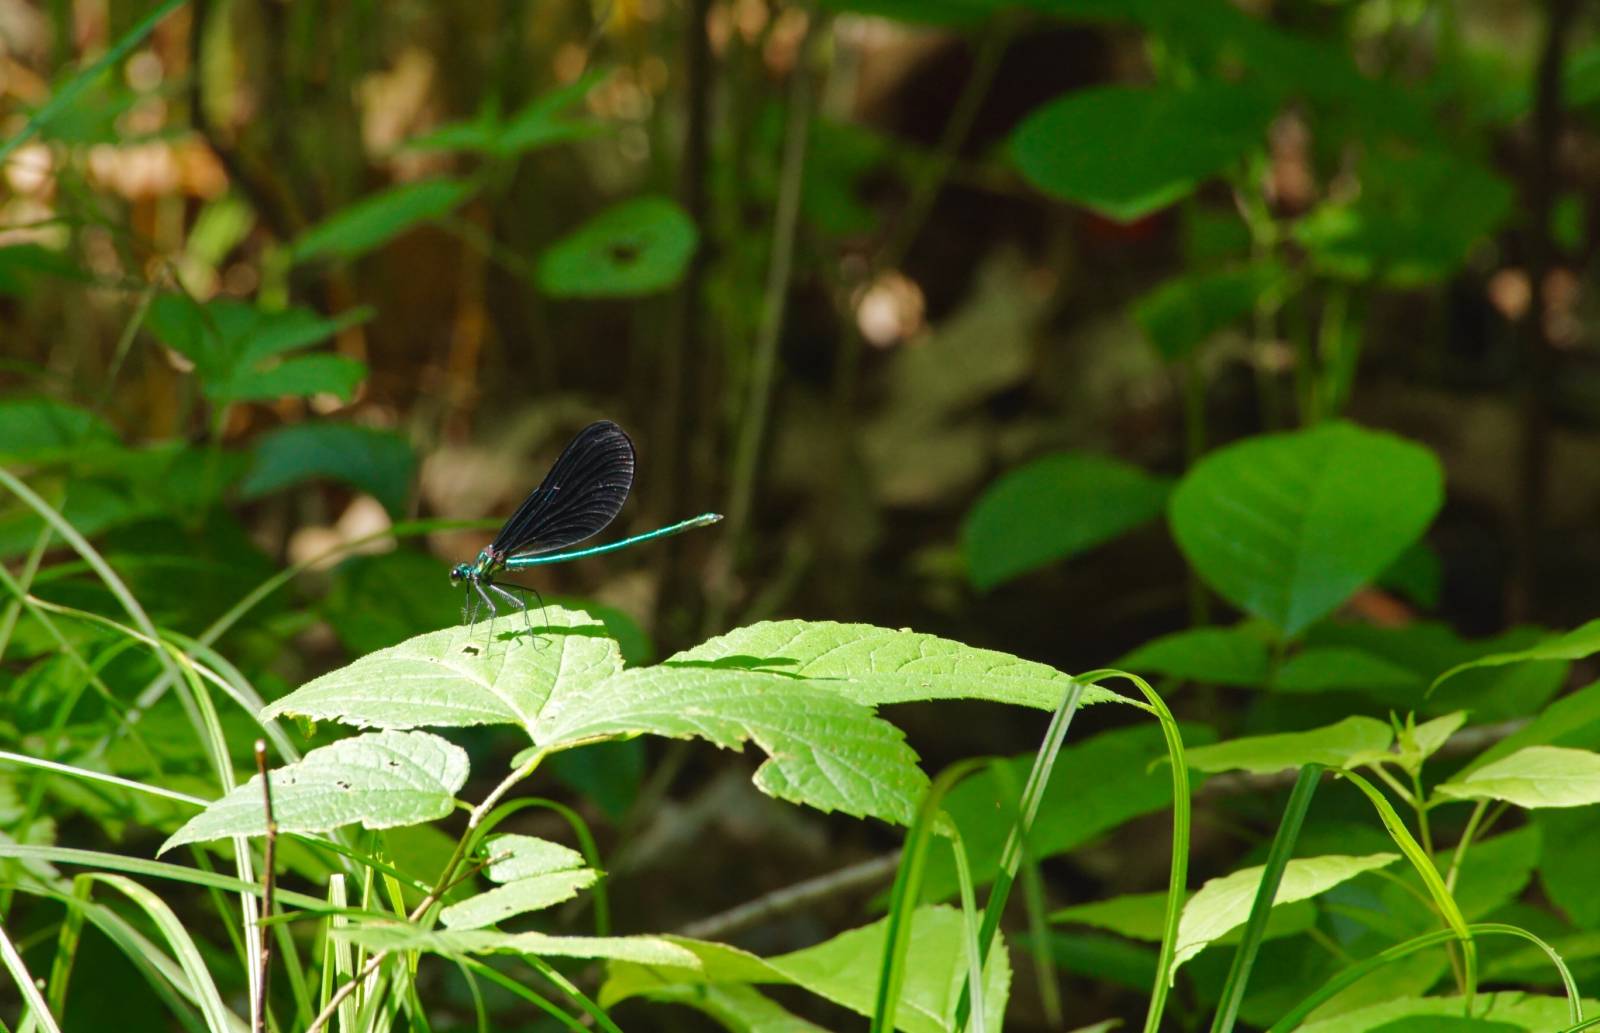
column 381, row 780
column 1053, row 508
column 637, row 247
column 1289, row 526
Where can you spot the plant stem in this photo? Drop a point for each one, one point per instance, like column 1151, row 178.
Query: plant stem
column 268, row 883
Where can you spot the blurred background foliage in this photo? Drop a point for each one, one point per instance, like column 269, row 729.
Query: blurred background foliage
column 934, row 298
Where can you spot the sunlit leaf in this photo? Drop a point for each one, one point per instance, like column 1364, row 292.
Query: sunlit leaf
column 1573, row 645
column 1536, row 776
column 381, row 780
column 1332, row 745
column 1288, row 526
column 393, row 936
column 1052, row 508
column 520, row 896
column 637, row 247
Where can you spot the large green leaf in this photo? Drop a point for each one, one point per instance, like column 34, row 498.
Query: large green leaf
column 1052, row 508
column 542, row 122
column 1414, row 220
column 460, row 676
column 640, row 950
column 374, row 221
column 240, row 352
column 1288, row 526
column 1536, row 776
column 1224, row 903
column 823, row 749
column 1573, row 645
column 381, row 779
column 1339, row 668
column 1570, row 842
column 1217, row 656
column 637, row 247
column 376, row 461
column 1334, row 746
column 875, row 666
column 844, row 970
column 1126, row 152
column 1491, row 1013
column 39, row 430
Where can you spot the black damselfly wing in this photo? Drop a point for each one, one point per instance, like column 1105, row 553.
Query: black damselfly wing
column 580, row 495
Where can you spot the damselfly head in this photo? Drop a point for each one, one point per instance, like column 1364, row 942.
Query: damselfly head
column 459, row 573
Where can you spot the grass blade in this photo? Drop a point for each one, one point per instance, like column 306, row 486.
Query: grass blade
column 1255, row 927
column 34, row 1001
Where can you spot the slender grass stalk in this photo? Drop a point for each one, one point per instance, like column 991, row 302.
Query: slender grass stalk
column 1255, row 927
column 99, row 776
column 31, row 997
column 1353, row 974
column 578, row 997
column 507, row 983
column 1178, row 872
column 30, row 569
column 268, row 880
column 906, row 894
column 1420, row 860
column 64, row 97
column 1028, row 809
column 68, row 937
column 969, row 915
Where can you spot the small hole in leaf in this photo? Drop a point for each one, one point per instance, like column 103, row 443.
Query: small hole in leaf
column 623, row 254
column 394, row 763
column 342, row 784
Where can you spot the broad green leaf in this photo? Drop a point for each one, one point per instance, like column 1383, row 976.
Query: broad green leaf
column 1574, row 645
column 376, row 461
column 518, row 897
column 1570, row 842
column 1053, row 508
column 374, row 221
column 1332, row 745
column 1414, row 220
column 460, row 676
column 1143, row 916
column 637, row 247
column 513, row 856
column 844, row 970
column 1224, row 903
column 1216, row 656
column 1182, row 313
column 875, row 666
column 1336, row 668
column 1570, row 721
column 1102, row 958
column 394, row 936
column 1288, row 526
column 1096, row 785
column 381, row 779
column 1535, row 776
column 1126, row 152
column 38, row 430
column 239, row 350
column 1532, row 1013
column 823, row 749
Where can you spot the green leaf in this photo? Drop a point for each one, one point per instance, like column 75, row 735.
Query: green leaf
column 1096, row 785
column 374, row 221
column 534, row 893
column 736, row 1008
column 1491, row 1013
column 1182, row 313
column 1570, row 842
column 1535, row 776
column 1214, row 656
column 38, row 430
column 1126, row 152
column 844, row 970
column 609, row 774
column 459, row 676
column 381, row 779
column 1142, row 916
column 394, row 936
column 1332, row 746
column 513, row 856
column 238, row 350
column 823, row 750
column 1102, row 958
column 1288, row 526
column 1570, row 721
column 1223, row 904
column 637, row 247
column 1414, row 221
column 874, row 666
column 22, row 264
column 1573, row 645
column 1417, row 575
column 542, row 122
column 1053, row 508
column 1336, row 668
column 375, row 461
column 1418, row 743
